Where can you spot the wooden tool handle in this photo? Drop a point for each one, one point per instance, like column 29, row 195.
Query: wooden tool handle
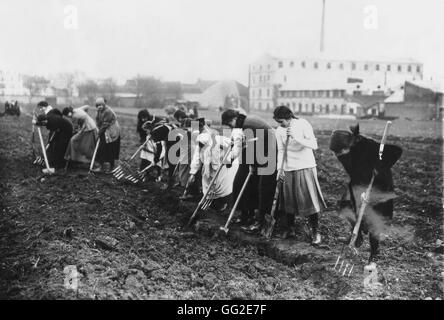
column 94, row 154
column 369, row 189
column 43, row 148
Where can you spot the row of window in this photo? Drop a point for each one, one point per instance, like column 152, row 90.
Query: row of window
column 261, row 78
column 320, row 108
column 313, row 94
column 313, row 108
column 353, row 66
column 259, row 93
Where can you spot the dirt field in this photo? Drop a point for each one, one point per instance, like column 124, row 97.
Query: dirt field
column 129, row 242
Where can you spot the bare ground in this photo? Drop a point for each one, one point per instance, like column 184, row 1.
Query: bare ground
column 129, row 242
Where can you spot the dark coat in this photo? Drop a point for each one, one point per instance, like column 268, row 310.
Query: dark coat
column 360, row 164
column 61, row 131
column 260, row 189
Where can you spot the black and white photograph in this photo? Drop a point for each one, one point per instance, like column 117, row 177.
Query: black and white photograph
column 221, row 154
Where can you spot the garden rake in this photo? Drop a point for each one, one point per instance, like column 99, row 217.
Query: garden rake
column 123, row 170
column 204, row 200
column 207, row 199
column 134, row 178
column 346, row 267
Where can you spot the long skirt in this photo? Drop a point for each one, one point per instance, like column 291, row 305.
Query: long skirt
column 108, row 152
column 301, row 194
column 81, row 147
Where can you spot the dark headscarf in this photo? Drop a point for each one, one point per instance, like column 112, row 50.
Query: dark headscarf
column 283, row 112
column 340, row 139
column 42, row 104
column 66, row 111
column 179, row 114
column 229, row 115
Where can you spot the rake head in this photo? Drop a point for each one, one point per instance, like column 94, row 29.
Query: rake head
column 39, row 161
column 122, row 174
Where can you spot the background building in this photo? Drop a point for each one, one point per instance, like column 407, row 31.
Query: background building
column 11, row 84
column 326, row 85
column 415, row 101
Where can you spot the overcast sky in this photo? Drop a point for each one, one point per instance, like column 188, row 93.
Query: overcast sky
column 210, row 39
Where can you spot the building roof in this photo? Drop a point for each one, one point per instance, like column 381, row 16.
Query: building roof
column 396, row 97
column 367, row 101
column 433, row 86
column 214, row 96
column 326, row 57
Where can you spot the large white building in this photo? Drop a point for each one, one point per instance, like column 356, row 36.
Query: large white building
column 323, row 85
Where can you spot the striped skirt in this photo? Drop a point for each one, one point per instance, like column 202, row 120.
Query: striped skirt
column 301, row 194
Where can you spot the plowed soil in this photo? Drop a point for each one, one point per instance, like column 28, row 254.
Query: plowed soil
column 130, row 242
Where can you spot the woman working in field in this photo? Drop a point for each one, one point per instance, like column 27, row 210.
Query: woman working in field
column 109, row 135
column 301, row 193
column 82, row 144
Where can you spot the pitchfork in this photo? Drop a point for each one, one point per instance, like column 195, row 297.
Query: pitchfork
column 345, row 267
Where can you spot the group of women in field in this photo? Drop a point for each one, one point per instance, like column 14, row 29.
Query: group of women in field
column 74, row 135
column 227, row 168
column 246, row 166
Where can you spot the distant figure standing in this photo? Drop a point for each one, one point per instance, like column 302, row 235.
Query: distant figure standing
column 109, row 135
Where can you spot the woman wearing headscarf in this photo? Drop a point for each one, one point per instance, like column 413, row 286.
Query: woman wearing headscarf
column 301, row 194
column 82, row 144
column 109, row 135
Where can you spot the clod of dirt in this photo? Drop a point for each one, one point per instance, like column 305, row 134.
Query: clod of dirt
column 106, row 243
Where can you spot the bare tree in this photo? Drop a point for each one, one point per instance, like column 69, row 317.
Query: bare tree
column 89, row 90
column 173, row 89
column 69, row 80
column 147, row 90
column 108, row 89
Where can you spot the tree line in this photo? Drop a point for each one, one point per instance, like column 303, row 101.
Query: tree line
column 149, row 91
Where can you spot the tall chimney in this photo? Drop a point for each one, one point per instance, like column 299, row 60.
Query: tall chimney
column 322, row 26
